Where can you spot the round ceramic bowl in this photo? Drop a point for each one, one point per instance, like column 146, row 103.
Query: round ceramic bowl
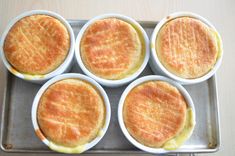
column 64, row 67
column 121, row 104
column 81, row 148
column 105, row 82
column 156, row 64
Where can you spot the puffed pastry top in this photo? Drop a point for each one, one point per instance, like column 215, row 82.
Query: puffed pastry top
column 154, row 112
column 111, row 49
column 37, row 44
column 187, row 47
column 71, row 112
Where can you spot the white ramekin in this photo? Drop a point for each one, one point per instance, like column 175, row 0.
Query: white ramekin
column 156, row 64
column 105, row 82
column 64, row 67
column 66, row 76
column 120, row 111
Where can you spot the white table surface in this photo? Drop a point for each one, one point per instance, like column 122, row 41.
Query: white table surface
column 220, row 13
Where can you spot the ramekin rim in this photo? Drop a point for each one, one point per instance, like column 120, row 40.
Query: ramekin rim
column 43, row 88
column 137, row 82
column 60, row 68
column 103, row 81
column 168, row 73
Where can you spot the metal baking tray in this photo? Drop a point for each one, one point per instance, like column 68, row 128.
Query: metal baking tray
column 17, row 134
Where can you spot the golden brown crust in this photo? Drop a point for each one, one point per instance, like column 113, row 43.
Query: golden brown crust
column 111, row 48
column 71, row 112
column 37, row 44
column 187, row 47
column 154, row 112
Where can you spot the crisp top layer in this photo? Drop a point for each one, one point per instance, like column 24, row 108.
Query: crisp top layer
column 71, row 112
column 111, row 49
column 154, row 112
column 187, row 47
column 37, row 44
